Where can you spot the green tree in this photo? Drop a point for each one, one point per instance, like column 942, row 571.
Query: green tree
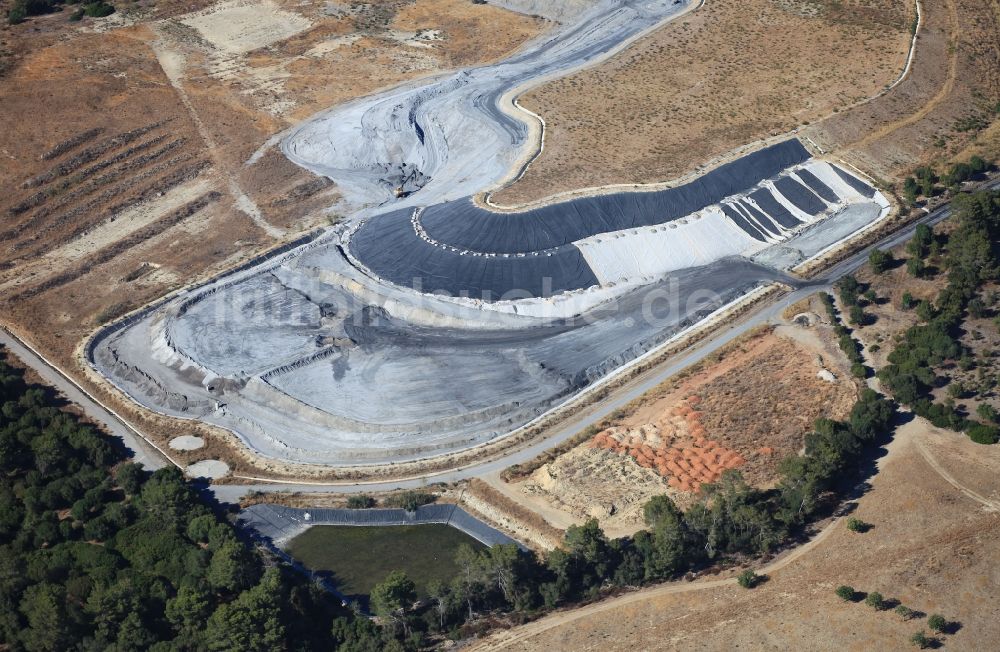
column 925, row 310
column 166, row 497
column 910, row 190
column 393, row 596
column 200, row 528
column 903, row 612
column 937, row 622
column 669, row 552
column 856, row 315
column 880, row 260
column 920, row 243
column 469, row 583
column 503, row 563
column 232, row 567
column 845, row 592
column 849, row 289
column 440, row 596
column 133, row 634
column 915, row 267
column 43, row 605
column 187, row 612
column 252, row 622
column 875, row 600
column 129, row 477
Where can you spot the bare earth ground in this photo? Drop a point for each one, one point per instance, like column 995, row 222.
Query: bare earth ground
column 126, row 141
column 932, row 547
column 754, row 405
column 726, row 75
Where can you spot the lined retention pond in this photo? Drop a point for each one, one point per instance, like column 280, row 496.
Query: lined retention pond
column 355, row 559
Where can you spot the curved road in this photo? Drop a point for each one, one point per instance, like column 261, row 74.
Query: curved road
column 619, row 397
column 152, row 457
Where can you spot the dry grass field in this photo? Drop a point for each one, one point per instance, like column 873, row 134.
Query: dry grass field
column 720, row 78
column 131, row 176
column 942, row 110
column 931, row 547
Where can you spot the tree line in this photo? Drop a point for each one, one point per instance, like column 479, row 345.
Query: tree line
column 731, row 522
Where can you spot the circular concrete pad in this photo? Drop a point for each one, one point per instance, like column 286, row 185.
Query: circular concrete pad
column 187, row 443
column 211, row 469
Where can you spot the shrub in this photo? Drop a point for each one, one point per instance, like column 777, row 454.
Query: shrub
column 845, row 592
column 17, row 14
column 858, row 370
column 875, row 600
column 937, row 622
column 361, row 501
column 904, row 612
column 921, row 640
column 857, row 525
column 112, row 312
column 986, row 412
column 982, row 433
column 749, row 579
column 410, row 500
column 880, row 260
column 98, row 9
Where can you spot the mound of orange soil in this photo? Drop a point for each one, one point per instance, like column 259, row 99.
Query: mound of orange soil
column 676, row 447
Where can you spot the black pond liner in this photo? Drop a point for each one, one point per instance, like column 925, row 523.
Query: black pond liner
column 388, row 245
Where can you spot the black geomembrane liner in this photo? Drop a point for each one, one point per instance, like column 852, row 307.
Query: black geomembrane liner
column 466, row 226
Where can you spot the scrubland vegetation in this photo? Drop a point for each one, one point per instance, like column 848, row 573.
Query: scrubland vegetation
column 930, row 354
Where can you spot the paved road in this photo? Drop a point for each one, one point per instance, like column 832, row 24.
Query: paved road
column 143, row 452
column 617, row 399
column 152, row 458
